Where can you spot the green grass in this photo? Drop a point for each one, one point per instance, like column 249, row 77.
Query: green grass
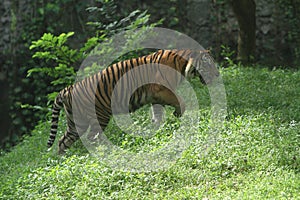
column 255, row 156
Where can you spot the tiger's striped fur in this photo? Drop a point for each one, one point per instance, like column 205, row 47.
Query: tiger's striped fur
column 99, row 87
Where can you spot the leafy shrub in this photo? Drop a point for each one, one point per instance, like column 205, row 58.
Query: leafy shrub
column 63, row 61
column 58, row 56
column 227, row 56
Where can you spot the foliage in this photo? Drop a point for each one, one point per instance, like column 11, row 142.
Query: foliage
column 171, row 13
column 62, row 61
column 29, row 21
column 57, row 56
column 111, row 24
column 227, row 56
column 255, row 156
column 291, row 20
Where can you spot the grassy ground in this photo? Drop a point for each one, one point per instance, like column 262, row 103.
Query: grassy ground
column 256, row 154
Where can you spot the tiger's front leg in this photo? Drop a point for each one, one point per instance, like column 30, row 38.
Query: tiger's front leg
column 157, row 113
column 167, row 97
column 180, row 109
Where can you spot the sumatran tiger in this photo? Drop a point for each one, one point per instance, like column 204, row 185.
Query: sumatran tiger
column 98, row 88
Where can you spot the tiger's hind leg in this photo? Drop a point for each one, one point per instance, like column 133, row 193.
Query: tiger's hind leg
column 72, row 134
column 67, row 140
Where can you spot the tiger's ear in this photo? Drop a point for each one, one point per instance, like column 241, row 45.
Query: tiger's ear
column 188, row 67
column 205, row 51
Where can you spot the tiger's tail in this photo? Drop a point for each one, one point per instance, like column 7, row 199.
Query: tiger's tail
column 57, row 106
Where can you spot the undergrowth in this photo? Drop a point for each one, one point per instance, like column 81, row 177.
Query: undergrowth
column 254, row 155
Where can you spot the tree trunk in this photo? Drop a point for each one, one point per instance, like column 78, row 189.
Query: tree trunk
column 5, row 45
column 5, row 120
column 244, row 11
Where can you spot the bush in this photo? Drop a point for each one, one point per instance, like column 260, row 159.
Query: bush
column 57, row 58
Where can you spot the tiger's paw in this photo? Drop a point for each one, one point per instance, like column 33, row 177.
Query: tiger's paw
column 61, row 152
column 179, row 111
column 156, row 122
column 177, row 114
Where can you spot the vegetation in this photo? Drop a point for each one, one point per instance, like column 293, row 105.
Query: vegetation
column 23, row 100
column 291, row 19
column 256, row 154
column 56, row 56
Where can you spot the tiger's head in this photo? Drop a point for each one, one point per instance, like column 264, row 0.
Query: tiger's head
column 201, row 64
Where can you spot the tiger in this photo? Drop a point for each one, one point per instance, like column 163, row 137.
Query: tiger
column 98, row 88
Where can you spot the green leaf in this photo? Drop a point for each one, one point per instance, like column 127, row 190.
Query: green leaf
column 52, row 95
